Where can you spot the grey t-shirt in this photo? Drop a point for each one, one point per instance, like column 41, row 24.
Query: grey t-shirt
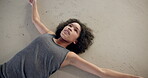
column 41, row 58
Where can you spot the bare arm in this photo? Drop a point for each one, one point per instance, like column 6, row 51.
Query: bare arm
column 78, row 62
column 36, row 19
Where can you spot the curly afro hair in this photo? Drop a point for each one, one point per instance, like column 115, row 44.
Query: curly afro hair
column 84, row 40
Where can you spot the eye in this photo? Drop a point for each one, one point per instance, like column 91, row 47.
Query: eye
column 76, row 30
column 70, row 25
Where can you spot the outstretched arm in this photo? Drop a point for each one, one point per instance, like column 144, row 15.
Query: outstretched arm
column 36, row 19
column 78, row 62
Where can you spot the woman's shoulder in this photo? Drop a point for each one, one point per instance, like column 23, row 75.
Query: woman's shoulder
column 72, row 55
column 51, row 32
column 53, row 35
column 47, row 34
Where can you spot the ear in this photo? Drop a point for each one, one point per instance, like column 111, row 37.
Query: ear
column 75, row 42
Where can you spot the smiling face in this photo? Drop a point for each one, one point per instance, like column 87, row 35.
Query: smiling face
column 71, row 32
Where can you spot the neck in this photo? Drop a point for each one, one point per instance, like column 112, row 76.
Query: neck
column 61, row 42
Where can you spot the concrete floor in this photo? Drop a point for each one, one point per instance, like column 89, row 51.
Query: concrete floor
column 120, row 28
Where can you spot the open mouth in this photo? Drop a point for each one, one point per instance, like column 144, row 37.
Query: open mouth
column 67, row 32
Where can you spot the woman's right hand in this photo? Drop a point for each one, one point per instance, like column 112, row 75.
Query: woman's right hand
column 31, row 1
